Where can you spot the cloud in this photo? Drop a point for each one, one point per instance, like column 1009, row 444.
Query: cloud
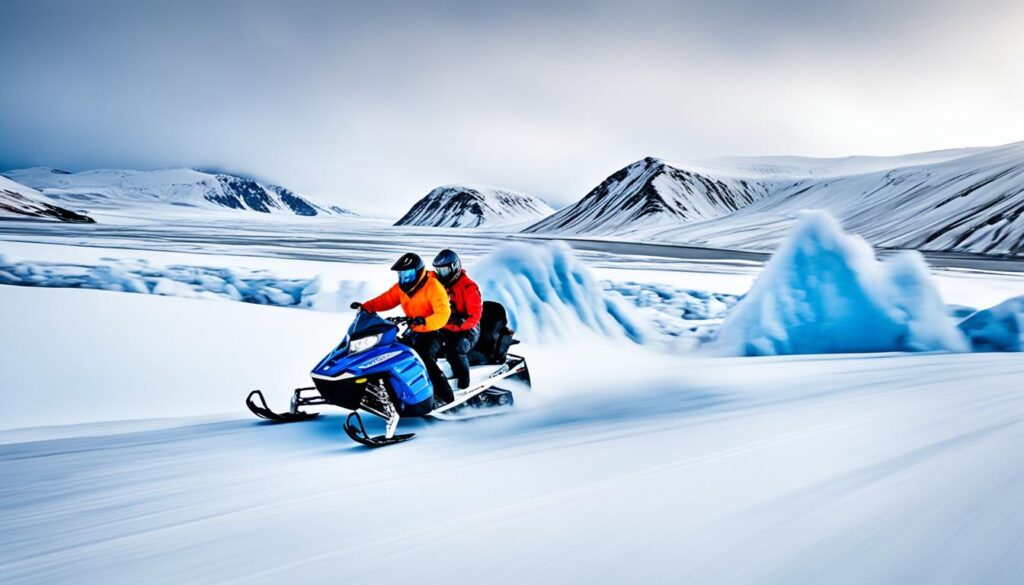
column 372, row 104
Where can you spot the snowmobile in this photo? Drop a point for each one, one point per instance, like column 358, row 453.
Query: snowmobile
column 373, row 371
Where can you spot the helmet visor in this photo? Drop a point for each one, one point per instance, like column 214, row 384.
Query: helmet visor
column 407, row 276
column 445, row 271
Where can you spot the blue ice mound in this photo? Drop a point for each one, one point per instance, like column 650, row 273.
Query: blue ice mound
column 550, row 295
column 998, row 328
column 823, row 291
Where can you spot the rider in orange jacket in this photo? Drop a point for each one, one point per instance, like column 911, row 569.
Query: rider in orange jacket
column 426, row 302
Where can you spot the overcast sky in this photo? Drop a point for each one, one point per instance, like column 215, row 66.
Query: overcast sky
column 372, row 104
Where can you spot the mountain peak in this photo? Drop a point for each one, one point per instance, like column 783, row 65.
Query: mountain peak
column 17, row 200
column 650, row 191
column 119, row 189
column 459, row 205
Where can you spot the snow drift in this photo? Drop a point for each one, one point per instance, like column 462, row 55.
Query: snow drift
column 999, row 328
column 550, row 295
column 825, row 292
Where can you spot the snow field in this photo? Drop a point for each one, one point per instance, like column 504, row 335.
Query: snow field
column 635, row 464
column 627, row 463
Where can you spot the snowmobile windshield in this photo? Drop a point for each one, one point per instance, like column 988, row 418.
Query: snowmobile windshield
column 367, row 323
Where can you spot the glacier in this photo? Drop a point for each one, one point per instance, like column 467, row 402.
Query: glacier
column 998, row 328
column 824, row 291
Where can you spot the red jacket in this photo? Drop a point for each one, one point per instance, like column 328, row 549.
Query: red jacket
column 464, row 295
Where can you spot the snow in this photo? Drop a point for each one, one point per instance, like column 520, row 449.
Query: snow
column 635, row 466
column 88, row 355
column 998, row 328
column 647, row 194
column 684, row 318
column 549, row 295
column 672, row 315
column 138, row 276
column 475, row 206
column 128, row 456
column 965, row 200
column 153, row 193
column 19, row 201
column 671, row 312
column 825, row 292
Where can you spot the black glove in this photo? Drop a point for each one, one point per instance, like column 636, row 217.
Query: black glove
column 356, row 305
column 417, row 321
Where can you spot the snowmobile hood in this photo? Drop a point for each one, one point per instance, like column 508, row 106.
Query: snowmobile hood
column 387, row 357
column 364, row 325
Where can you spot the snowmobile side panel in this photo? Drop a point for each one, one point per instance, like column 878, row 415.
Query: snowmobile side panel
column 514, row 369
column 335, row 376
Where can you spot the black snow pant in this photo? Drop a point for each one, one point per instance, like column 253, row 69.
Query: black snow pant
column 456, row 349
column 428, row 347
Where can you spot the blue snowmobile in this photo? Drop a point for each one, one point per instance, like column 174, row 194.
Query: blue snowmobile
column 372, row 370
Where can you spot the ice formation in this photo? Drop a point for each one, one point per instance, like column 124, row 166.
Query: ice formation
column 550, row 295
column 825, row 292
column 138, row 276
column 998, row 328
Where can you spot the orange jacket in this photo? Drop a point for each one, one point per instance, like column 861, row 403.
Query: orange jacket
column 429, row 300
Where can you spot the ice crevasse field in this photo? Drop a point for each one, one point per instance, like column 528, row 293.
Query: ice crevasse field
column 831, row 418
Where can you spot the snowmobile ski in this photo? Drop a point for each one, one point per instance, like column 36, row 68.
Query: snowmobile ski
column 357, row 432
column 263, row 411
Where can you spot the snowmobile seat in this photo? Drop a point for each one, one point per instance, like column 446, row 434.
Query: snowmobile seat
column 495, row 336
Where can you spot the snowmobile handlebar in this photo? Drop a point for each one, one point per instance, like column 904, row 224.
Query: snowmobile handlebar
column 407, row 321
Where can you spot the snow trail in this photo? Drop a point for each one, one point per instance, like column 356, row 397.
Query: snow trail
column 853, row 470
column 606, row 474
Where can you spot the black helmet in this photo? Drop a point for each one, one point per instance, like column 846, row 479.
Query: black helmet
column 448, row 267
column 410, row 271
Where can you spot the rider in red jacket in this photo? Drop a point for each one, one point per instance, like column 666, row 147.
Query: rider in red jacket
column 463, row 328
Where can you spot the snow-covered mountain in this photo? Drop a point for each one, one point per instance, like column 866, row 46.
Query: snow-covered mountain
column 17, row 200
column 474, row 206
column 119, row 189
column 966, row 200
column 652, row 192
